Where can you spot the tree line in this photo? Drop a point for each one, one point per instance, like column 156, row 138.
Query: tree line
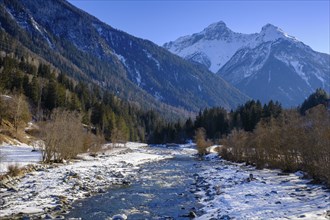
column 264, row 135
column 217, row 122
column 45, row 89
column 288, row 139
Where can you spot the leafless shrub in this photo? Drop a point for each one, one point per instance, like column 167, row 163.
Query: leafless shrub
column 14, row 170
column 15, row 109
column 63, row 136
column 201, row 142
column 92, row 143
column 290, row 142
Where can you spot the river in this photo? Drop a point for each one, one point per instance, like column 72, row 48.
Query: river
column 161, row 190
column 211, row 188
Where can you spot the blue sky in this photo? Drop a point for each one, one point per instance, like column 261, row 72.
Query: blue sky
column 163, row 21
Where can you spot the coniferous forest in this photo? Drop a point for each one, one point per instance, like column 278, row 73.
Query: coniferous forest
column 262, row 134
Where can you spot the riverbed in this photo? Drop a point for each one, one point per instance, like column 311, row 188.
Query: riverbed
column 161, row 190
column 143, row 182
column 210, row 188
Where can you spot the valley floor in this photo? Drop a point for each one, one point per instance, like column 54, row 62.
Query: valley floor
column 229, row 193
column 223, row 188
column 52, row 188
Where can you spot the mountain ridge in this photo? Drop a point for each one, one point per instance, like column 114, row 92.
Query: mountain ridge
column 130, row 67
column 244, row 59
column 217, row 36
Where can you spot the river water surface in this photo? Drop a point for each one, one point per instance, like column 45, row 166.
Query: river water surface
column 161, row 190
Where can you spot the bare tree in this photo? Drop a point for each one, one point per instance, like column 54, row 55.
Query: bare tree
column 201, row 142
column 63, row 136
column 19, row 110
column 15, row 108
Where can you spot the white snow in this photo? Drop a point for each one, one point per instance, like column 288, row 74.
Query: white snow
column 255, row 66
column 20, row 155
column 43, row 32
column 219, row 50
column 42, row 189
column 35, row 25
column 267, row 196
column 298, row 68
column 158, row 96
column 270, row 32
column 283, row 58
column 138, row 77
column 149, row 55
column 285, row 93
column 122, row 59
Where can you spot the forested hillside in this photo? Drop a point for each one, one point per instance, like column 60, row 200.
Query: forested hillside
column 42, row 88
column 133, row 69
column 263, row 135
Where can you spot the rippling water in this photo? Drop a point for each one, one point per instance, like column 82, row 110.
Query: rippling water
column 160, row 191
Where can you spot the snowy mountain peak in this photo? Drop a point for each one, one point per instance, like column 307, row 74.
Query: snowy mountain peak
column 216, row 44
column 216, row 31
column 271, row 32
column 217, row 26
column 270, row 27
column 271, row 61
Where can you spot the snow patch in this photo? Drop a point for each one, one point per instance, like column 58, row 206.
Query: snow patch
column 158, row 96
column 217, row 44
column 138, row 77
column 260, row 57
column 233, row 194
column 149, row 55
column 298, row 67
column 122, row 60
column 285, row 93
column 20, row 155
column 270, row 32
column 42, row 189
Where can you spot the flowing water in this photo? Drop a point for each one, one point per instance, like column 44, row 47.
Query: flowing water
column 161, row 190
column 165, row 190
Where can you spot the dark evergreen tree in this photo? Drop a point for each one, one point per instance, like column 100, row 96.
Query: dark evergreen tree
column 320, row 96
column 50, row 96
column 35, row 91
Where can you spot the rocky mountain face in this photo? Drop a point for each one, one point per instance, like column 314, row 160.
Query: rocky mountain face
column 135, row 69
column 266, row 65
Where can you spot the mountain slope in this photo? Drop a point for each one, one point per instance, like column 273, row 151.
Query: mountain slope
column 282, row 70
column 266, row 65
column 133, row 68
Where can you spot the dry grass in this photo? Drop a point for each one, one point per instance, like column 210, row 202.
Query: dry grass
column 14, row 170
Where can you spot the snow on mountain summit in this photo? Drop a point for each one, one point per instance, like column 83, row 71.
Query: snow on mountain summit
column 216, row 44
column 271, row 61
column 216, row 31
column 212, row 47
column 270, row 32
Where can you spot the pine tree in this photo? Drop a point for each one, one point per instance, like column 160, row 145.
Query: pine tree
column 50, row 98
column 320, row 96
column 35, row 90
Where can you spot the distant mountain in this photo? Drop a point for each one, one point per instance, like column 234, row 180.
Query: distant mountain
column 135, row 69
column 266, row 65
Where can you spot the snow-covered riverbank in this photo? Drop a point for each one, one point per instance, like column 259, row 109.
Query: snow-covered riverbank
column 19, row 155
column 54, row 188
column 227, row 191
